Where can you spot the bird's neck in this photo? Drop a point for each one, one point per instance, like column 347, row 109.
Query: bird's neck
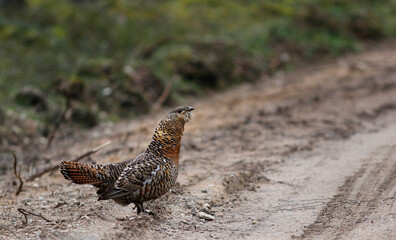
column 166, row 139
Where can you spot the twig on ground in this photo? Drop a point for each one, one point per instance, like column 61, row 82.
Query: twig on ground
column 157, row 105
column 18, row 175
column 58, row 122
column 53, row 168
column 25, row 213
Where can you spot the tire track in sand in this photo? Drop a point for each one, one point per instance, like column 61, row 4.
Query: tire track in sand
column 361, row 194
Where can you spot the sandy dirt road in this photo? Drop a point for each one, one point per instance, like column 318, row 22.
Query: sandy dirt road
column 306, row 155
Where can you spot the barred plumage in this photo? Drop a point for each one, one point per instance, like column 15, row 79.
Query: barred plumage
column 146, row 177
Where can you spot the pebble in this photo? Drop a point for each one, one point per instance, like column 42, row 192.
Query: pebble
column 205, row 216
column 59, row 204
column 194, row 211
column 206, row 208
column 190, row 204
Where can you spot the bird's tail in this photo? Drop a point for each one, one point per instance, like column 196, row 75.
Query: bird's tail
column 83, row 173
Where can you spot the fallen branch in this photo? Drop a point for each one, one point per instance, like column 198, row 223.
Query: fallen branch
column 25, row 213
column 53, row 168
column 18, row 175
column 58, row 122
column 157, row 105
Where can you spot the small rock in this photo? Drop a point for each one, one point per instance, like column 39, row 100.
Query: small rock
column 194, row 211
column 59, row 204
column 190, row 204
column 204, row 191
column 45, row 206
column 41, row 199
column 26, row 200
column 205, row 216
column 206, row 208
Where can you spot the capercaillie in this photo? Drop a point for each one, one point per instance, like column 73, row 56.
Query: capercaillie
column 145, row 177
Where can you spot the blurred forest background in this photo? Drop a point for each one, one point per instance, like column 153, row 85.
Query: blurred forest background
column 106, row 60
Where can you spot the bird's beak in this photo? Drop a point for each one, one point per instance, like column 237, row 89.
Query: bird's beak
column 190, row 109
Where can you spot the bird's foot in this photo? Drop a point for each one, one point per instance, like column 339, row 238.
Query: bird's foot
column 140, row 209
column 149, row 212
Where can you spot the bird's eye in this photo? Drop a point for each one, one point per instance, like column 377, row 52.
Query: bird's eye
column 179, row 111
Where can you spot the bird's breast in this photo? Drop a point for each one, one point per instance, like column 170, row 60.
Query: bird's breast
column 172, row 153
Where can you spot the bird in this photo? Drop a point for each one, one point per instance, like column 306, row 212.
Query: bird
column 145, row 177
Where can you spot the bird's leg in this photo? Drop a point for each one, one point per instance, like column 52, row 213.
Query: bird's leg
column 139, row 207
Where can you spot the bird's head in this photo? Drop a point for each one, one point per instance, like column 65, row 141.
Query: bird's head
column 167, row 136
column 181, row 113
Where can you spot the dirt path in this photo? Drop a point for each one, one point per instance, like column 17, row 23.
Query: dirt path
column 306, row 155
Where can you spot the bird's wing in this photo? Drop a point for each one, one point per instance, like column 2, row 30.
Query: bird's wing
column 138, row 173
column 136, row 176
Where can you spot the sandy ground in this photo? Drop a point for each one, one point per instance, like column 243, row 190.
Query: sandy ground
column 306, row 155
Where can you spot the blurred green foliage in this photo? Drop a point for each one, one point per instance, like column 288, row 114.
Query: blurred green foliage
column 115, row 57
